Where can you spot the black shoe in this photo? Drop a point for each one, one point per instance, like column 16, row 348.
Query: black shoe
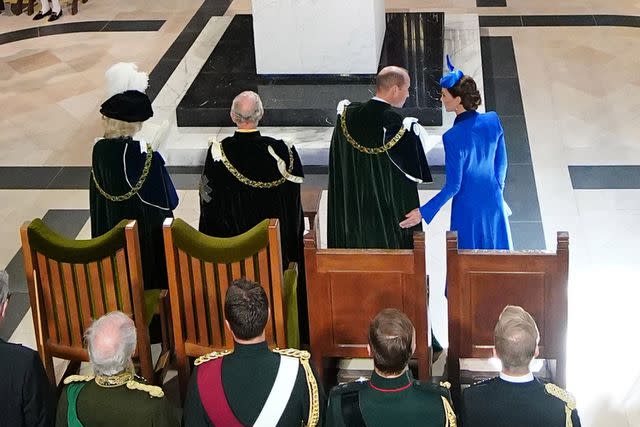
column 55, row 16
column 41, row 15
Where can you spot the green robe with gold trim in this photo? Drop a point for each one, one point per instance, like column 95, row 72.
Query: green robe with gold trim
column 368, row 194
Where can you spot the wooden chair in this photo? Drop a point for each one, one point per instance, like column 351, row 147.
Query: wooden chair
column 31, row 5
column 200, row 270
column 346, row 288
column 482, row 282
column 71, row 282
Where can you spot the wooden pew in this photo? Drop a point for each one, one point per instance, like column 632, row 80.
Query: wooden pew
column 481, row 283
column 346, row 288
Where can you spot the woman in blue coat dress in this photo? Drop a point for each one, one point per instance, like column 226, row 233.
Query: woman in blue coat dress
column 476, row 166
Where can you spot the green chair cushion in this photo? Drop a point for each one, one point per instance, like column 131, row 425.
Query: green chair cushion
column 290, row 291
column 223, row 250
column 151, row 304
column 44, row 240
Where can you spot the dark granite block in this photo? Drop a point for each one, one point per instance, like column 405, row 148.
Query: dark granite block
column 143, row 25
column 500, row 21
column 71, row 178
column 516, row 139
column 618, row 20
column 491, row 3
column 503, row 95
column 527, row 235
column 73, row 27
column 498, row 57
column 520, row 193
column 186, row 181
column 159, row 76
column 558, row 20
column 27, row 33
column 25, row 177
column 615, row 177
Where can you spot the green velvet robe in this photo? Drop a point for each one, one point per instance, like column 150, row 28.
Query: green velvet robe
column 368, row 194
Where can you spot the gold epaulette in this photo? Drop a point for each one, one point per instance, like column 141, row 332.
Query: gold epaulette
column 78, row 378
column 153, row 390
column 293, row 352
column 445, row 384
column 561, row 394
column 312, row 384
column 211, row 356
column 450, row 416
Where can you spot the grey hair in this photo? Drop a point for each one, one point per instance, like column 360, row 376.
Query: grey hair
column 251, row 116
column 4, row 286
column 111, row 341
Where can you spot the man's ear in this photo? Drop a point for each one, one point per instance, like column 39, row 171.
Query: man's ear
column 3, row 309
column 369, row 350
column 495, row 354
column 537, row 352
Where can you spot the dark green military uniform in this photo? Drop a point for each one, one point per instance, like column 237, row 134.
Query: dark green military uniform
column 132, row 403
column 400, row 401
column 499, row 403
column 248, row 374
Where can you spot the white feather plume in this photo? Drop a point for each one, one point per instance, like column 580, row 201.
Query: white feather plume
column 125, row 76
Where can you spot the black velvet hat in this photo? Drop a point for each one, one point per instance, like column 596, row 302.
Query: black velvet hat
column 129, row 106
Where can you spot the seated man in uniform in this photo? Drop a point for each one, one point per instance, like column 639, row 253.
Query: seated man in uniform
column 516, row 398
column 252, row 385
column 26, row 397
column 114, row 395
column 392, row 397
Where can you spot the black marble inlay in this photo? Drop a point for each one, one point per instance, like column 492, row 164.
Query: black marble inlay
column 527, row 235
column 67, row 222
column 491, row 3
column 503, row 94
column 27, row 177
column 81, row 27
column 614, row 177
column 172, row 57
column 517, row 140
column 618, row 20
column 500, row 21
column 558, row 20
column 413, row 40
column 501, row 59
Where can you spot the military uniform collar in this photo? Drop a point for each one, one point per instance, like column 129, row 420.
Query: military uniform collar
column 247, row 132
column 250, row 350
column 521, row 379
column 375, row 98
column 390, row 385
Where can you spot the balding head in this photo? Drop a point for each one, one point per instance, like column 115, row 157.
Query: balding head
column 392, row 85
column 516, row 339
column 111, row 341
column 246, row 109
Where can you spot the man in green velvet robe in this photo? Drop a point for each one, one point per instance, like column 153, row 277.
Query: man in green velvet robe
column 375, row 161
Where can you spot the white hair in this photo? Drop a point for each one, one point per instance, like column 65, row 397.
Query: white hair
column 4, row 286
column 111, row 341
column 251, row 113
column 125, row 76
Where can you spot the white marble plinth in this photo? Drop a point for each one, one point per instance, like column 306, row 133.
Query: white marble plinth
column 318, row 37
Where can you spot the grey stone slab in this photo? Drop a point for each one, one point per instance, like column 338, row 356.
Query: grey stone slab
column 558, row 20
column 71, row 178
column 502, row 94
column 516, row 139
column 491, row 3
column 500, row 21
column 498, row 57
column 140, row 25
column 27, row 177
column 527, row 235
column 521, row 194
column 618, row 20
column 72, row 27
column 613, row 177
column 186, row 181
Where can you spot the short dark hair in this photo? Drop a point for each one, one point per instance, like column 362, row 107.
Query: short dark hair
column 246, row 308
column 389, row 77
column 391, row 340
column 468, row 92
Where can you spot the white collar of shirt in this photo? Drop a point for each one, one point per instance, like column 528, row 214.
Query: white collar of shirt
column 523, row 379
column 375, row 98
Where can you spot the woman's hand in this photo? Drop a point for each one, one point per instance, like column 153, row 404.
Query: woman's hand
column 412, row 218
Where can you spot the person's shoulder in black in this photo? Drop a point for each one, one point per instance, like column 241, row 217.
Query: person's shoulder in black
column 25, row 393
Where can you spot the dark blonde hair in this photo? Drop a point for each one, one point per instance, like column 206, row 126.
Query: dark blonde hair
column 516, row 337
column 391, row 341
column 468, row 92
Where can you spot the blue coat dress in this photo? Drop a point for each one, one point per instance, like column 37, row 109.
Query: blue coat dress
column 476, row 165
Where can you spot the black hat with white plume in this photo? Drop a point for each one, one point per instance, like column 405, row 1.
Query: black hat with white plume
column 125, row 87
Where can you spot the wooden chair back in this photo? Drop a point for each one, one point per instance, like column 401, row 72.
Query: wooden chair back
column 346, row 288
column 482, row 282
column 72, row 282
column 200, row 270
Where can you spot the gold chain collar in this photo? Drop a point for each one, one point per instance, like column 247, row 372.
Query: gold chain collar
column 116, row 380
column 251, row 183
column 376, row 150
column 134, row 190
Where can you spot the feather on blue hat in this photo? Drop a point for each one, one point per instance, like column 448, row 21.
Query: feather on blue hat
column 450, row 79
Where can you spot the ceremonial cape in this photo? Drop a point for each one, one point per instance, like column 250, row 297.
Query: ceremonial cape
column 369, row 194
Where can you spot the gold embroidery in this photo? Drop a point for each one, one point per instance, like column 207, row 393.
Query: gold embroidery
column 251, row 183
column 153, row 390
column 445, row 384
column 134, row 190
column 562, row 394
column 314, row 399
column 376, row 150
column 211, row 356
column 116, row 380
column 450, row 416
column 78, row 378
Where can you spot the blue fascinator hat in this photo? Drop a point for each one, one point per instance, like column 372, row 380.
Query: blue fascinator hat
column 450, row 79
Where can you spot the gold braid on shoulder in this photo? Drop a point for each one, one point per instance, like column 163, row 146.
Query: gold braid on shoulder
column 314, row 399
column 367, row 150
column 211, row 356
column 134, row 190
column 250, row 182
column 566, row 397
column 450, row 416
